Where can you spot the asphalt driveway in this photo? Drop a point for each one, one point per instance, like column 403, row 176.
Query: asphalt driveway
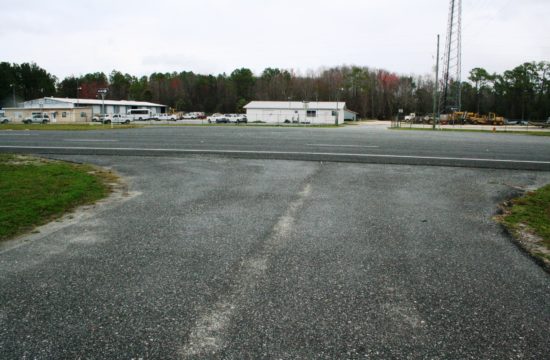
column 233, row 258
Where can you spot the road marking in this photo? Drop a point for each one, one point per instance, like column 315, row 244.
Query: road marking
column 9, row 134
column 90, row 140
column 207, row 337
column 345, row 146
column 263, row 152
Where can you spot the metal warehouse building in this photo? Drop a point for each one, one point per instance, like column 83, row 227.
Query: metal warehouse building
column 66, row 110
column 313, row 112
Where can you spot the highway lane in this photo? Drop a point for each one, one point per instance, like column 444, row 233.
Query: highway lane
column 353, row 143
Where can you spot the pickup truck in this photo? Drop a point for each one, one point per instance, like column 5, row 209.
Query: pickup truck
column 240, row 118
column 166, row 117
column 4, row 120
column 410, row 117
column 218, row 118
column 37, row 119
column 115, row 119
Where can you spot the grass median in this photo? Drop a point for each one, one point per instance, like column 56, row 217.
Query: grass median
column 65, row 127
column 528, row 218
column 34, row 191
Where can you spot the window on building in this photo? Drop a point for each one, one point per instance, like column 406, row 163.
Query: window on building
column 83, row 114
column 311, row 113
column 64, row 114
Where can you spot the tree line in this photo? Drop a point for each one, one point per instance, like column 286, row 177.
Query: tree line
column 520, row 93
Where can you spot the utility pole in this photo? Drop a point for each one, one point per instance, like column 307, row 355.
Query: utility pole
column 337, row 118
column 102, row 92
column 13, row 91
column 436, row 86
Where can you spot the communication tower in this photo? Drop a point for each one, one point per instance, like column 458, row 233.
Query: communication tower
column 452, row 67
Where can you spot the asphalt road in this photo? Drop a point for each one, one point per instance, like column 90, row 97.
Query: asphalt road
column 217, row 257
column 366, row 144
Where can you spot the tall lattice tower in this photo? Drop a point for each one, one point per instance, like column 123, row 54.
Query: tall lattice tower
column 452, row 67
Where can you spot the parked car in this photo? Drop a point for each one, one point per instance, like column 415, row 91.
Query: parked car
column 193, row 116
column 224, row 119
column 37, row 119
column 99, row 117
column 241, row 118
column 4, row 120
column 236, row 118
column 218, row 118
column 166, row 117
column 410, row 117
column 115, row 119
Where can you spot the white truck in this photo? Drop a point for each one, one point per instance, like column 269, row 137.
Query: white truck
column 115, row 119
column 166, row 117
column 37, row 118
column 3, row 118
column 410, row 117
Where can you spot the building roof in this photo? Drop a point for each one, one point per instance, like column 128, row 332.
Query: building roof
column 107, row 102
column 67, row 103
column 296, row 105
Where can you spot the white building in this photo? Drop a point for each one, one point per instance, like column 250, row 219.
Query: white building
column 313, row 112
column 66, row 110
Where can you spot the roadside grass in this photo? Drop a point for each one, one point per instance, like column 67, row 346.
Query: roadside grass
column 34, row 191
column 528, row 218
column 88, row 127
column 74, row 127
column 251, row 125
column 508, row 132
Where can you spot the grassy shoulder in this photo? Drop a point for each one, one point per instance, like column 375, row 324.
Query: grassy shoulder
column 64, row 127
column 251, row 124
column 507, row 132
column 35, row 191
column 528, row 219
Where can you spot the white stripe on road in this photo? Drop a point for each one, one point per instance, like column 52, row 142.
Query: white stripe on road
column 90, row 140
column 346, row 146
column 263, row 152
column 209, row 334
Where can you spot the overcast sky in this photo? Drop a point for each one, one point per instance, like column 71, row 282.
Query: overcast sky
column 213, row 36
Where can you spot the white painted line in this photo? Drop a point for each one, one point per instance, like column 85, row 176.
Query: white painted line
column 252, row 152
column 345, row 146
column 209, row 334
column 90, row 140
column 10, row 134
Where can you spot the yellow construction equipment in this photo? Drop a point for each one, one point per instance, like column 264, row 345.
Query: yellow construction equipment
column 462, row 117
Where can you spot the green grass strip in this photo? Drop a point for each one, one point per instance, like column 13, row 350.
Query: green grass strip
column 65, row 127
column 533, row 210
column 531, row 213
column 34, row 191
